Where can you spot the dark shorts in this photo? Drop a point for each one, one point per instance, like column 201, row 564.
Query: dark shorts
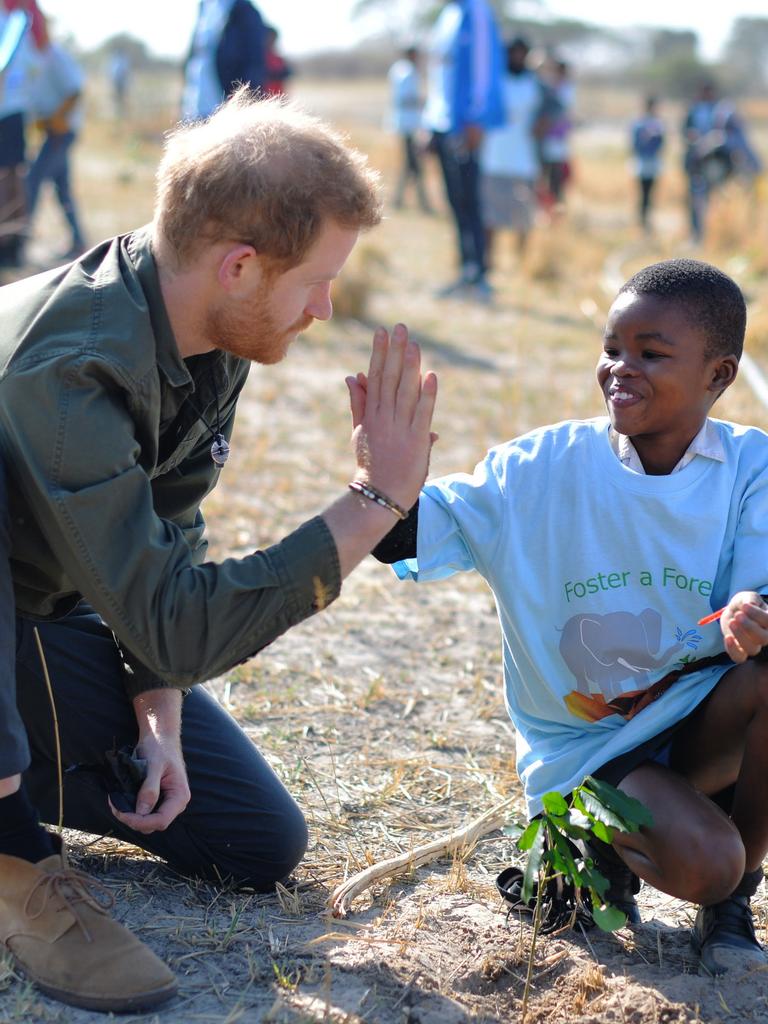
column 658, row 749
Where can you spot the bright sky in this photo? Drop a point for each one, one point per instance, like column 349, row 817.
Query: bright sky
column 311, row 25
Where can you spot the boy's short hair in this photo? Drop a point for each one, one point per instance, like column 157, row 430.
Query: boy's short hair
column 264, row 173
column 713, row 300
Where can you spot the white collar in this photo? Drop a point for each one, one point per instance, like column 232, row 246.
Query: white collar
column 707, row 443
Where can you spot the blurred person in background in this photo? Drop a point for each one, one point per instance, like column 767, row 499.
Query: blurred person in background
column 407, row 103
column 22, row 30
column 277, row 68
column 56, row 107
column 227, row 49
column 647, row 143
column 119, row 70
column 509, row 160
column 555, row 141
column 716, row 148
column 464, row 99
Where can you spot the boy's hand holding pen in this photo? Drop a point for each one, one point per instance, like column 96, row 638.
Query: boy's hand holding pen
column 744, row 625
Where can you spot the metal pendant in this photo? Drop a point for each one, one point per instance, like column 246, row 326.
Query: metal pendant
column 219, row 449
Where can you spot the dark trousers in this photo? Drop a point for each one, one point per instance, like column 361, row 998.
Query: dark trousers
column 698, row 201
column 461, row 175
column 646, row 196
column 52, row 164
column 241, row 823
column 13, row 211
column 411, row 171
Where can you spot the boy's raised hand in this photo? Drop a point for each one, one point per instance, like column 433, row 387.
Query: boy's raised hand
column 744, row 625
column 391, row 416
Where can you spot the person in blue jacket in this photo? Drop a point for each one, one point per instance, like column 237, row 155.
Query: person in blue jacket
column 647, row 142
column 228, row 49
column 464, row 99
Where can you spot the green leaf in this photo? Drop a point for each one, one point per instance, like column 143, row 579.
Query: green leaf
column 514, row 830
column 554, row 803
column 632, row 811
column 595, row 881
column 608, row 918
column 602, row 831
column 597, row 810
column 578, row 819
column 533, row 864
column 526, row 840
column 569, row 868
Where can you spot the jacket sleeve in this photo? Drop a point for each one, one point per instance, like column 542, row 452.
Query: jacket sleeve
column 93, row 500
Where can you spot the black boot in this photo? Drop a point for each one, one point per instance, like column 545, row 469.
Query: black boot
column 723, row 933
column 623, row 883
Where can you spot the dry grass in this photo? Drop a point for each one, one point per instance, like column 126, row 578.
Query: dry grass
column 384, row 716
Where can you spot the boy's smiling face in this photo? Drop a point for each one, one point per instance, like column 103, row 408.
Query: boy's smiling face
column 657, row 382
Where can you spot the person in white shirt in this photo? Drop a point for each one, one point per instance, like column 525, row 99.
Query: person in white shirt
column 509, row 162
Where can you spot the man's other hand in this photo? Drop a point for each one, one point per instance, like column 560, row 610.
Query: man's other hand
column 165, row 792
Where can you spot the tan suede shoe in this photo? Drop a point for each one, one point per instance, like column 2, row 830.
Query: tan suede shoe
column 64, row 940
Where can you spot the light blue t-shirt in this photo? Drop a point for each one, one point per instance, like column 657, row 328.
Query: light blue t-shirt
column 58, row 77
column 600, row 575
column 405, row 89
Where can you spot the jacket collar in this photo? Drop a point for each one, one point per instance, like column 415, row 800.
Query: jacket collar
column 138, row 247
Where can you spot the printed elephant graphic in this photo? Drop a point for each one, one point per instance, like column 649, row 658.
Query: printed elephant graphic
column 605, row 651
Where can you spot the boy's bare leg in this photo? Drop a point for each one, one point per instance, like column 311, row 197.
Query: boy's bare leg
column 692, row 850
column 692, row 842
column 726, row 742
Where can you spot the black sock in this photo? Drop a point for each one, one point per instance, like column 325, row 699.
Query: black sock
column 21, row 834
column 749, row 884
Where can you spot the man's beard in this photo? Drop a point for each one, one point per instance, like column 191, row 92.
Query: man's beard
column 255, row 336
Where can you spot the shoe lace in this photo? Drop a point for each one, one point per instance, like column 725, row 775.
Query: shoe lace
column 73, row 888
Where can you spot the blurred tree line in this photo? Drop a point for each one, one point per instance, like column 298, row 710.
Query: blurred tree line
column 659, row 60
column 665, row 61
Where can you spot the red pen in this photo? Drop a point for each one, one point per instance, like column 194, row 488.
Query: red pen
column 710, row 618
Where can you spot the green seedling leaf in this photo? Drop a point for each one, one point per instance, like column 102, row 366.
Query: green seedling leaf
column 566, row 865
column 514, row 830
column 533, row 864
column 596, row 809
column 632, row 811
column 595, row 881
column 578, row 819
column 526, row 840
column 607, row 918
column 554, row 803
column 563, row 825
column 602, row 831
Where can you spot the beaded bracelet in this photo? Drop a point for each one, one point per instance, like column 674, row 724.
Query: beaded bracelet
column 381, row 499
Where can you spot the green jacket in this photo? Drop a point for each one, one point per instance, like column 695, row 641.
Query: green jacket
column 103, row 439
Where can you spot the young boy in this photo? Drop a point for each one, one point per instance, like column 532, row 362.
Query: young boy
column 605, row 541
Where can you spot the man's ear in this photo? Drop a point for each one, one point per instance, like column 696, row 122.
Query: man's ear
column 724, row 373
column 238, row 268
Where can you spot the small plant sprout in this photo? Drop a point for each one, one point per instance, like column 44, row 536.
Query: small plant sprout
column 595, row 810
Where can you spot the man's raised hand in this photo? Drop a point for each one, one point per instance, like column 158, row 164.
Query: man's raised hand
column 392, row 412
